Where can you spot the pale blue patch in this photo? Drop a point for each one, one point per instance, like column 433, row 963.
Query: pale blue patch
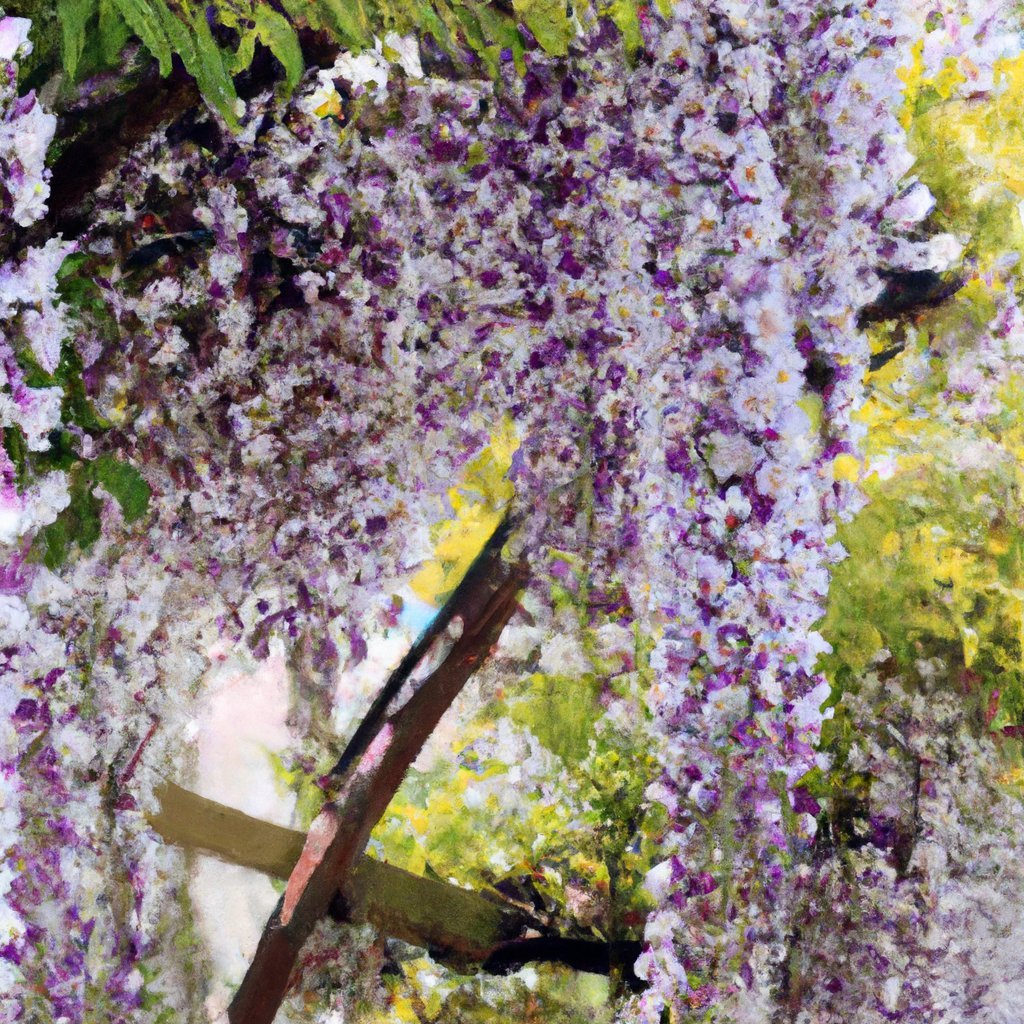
column 416, row 614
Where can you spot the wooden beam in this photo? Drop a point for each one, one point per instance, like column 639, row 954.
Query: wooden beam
column 457, row 925
column 465, row 929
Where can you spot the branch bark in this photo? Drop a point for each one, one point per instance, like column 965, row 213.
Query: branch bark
column 339, row 833
column 93, row 139
column 589, row 955
column 471, row 594
column 908, row 293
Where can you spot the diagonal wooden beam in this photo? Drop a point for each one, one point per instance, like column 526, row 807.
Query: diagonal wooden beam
column 471, row 594
column 456, row 925
column 338, row 835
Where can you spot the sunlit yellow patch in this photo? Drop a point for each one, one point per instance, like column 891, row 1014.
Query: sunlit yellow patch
column 331, row 107
column 811, row 405
column 846, row 467
column 912, row 78
column 891, row 544
column 1013, row 777
column 947, row 80
column 478, row 501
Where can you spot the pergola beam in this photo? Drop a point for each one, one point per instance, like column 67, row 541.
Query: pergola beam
column 455, row 924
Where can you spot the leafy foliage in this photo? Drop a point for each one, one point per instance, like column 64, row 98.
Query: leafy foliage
column 80, row 523
column 217, row 41
column 935, row 573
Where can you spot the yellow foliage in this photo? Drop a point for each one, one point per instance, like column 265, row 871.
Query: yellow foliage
column 309, row 796
column 972, row 148
column 939, row 544
column 846, row 467
column 812, row 406
column 891, row 545
column 948, row 78
column 478, row 501
column 913, row 80
column 992, row 133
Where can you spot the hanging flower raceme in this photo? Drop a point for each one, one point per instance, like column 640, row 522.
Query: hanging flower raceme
column 653, row 278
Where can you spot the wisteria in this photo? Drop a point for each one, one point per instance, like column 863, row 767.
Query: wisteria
column 300, row 335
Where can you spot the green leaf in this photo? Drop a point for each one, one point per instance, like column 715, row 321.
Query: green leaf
column 53, row 541
column 347, row 18
column 74, row 16
column 113, row 33
column 77, row 407
column 144, row 19
column 303, row 13
column 427, row 20
column 561, row 711
column 502, row 32
column 204, row 60
column 548, row 21
column 78, row 524
column 62, row 453
column 124, row 483
column 470, row 25
column 17, row 452
column 279, row 37
column 34, row 375
column 624, row 14
column 166, row 34
column 211, row 72
column 245, row 52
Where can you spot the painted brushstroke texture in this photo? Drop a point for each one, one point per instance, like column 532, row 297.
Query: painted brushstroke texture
column 759, row 709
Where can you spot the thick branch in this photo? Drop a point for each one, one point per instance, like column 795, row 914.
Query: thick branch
column 94, row 139
column 908, row 293
column 471, row 594
column 590, row 955
column 105, row 137
column 339, row 833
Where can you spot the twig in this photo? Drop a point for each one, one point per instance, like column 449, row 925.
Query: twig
column 129, row 770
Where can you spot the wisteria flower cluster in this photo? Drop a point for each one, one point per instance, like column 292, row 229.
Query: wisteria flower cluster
column 309, row 328
column 915, row 919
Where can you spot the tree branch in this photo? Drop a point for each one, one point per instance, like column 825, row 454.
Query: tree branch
column 589, row 955
column 470, row 594
column 908, row 293
column 339, row 833
column 104, row 137
column 93, row 139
